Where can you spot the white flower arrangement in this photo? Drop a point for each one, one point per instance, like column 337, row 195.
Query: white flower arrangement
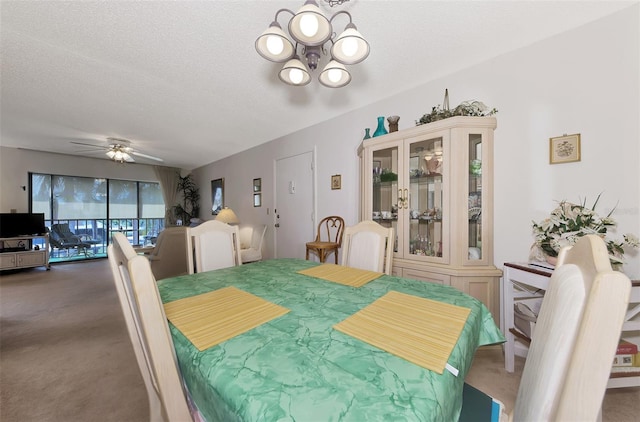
column 569, row 221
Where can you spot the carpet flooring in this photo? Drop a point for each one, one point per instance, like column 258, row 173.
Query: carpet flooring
column 65, row 354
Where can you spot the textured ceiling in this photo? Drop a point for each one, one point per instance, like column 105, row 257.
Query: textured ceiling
column 183, row 81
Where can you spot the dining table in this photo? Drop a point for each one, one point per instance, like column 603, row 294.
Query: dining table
column 299, row 367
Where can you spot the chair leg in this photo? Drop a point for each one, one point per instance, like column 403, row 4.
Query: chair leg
column 335, row 255
column 307, row 254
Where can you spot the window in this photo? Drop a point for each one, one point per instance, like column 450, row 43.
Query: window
column 96, row 208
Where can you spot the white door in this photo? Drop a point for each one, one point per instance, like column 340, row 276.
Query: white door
column 294, row 224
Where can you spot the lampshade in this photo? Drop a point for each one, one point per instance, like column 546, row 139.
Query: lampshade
column 334, row 75
column 226, row 215
column 350, row 47
column 309, row 26
column 274, row 45
column 294, row 73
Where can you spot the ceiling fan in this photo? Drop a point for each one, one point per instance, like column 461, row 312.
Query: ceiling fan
column 119, row 150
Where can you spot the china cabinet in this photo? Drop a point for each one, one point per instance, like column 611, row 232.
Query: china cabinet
column 434, row 185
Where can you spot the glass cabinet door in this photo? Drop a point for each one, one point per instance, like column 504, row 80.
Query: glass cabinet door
column 424, row 198
column 385, row 189
column 475, row 197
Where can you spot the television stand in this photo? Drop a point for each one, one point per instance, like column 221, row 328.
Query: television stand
column 12, row 258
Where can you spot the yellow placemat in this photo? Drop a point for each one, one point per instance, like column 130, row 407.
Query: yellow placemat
column 211, row 318
column 353, row 277
column 422, row 331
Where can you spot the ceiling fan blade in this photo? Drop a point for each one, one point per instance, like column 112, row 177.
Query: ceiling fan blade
column 139, row 154
column 91, row 145
column 85, row 151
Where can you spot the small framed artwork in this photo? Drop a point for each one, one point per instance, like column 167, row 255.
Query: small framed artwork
column 217, row 196
column 257, row 199
column 257, row 185
column 564, row 149
column 336, row 181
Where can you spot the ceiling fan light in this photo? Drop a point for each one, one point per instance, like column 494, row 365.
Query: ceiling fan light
column 309, row 26
column 274, row 45
column 334, row 75
column 350, row 47
column 294, row 73
column 111, row 154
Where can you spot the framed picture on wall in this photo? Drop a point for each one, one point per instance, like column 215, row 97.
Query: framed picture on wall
column 336, row 181
column 217, row 196
column 257, row 199
column 564, row 149
column 257, row 185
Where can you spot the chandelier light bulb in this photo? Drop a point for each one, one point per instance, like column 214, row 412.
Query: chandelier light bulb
column 295, row 76
column 334, row 75
column 349, row 47
column 309, row 25
column 275, row 45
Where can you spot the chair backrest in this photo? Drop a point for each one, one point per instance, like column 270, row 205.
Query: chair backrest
column 148, row 331
column 330, row 229
column 245, row 233
column 173, row 253
column 368, row 246
column 62, row 232
column 566, row 338
column 216, row 245
column 599, row 334
column 257, row 236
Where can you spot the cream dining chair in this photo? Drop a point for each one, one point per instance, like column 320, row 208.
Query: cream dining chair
column 577, row 331
column 368, row 246
column 149, row 333
column 251, row 239
column 216, row 245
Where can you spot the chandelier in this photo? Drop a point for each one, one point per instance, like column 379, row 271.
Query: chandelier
column 310, row 30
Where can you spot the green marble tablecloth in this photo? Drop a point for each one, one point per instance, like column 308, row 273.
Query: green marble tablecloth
column 298, row 368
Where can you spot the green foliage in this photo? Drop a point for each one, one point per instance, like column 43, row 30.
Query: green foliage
column 466, row 108
column 569, row 221
column 190, row 206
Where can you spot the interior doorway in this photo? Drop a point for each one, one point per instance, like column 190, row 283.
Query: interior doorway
column 294, row 205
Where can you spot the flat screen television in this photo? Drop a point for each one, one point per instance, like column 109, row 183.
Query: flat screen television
column 21, row 224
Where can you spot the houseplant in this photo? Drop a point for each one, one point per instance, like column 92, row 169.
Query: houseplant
column 570, row 221
column 190, row 206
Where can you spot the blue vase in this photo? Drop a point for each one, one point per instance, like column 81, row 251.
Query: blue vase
column 366, row 133
column 380, row 130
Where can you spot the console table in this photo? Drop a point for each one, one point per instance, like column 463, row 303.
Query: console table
column 24, row 258
column 524, row 281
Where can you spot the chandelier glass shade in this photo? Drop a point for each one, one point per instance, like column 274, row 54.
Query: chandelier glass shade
column 119, row 154
column 309, row 31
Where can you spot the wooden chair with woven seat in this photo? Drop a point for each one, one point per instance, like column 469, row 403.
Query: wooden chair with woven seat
column 328, row 238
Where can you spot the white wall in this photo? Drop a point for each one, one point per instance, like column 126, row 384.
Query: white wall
column 583, row 81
